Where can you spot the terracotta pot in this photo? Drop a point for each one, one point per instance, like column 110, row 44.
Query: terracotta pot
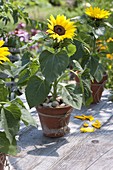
column 54, row 121
column 2, row 160
column 97, row 88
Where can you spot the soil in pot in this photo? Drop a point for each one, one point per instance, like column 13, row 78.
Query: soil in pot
column 54, row 121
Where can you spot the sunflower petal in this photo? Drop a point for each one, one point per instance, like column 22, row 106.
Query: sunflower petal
column 97, row 13
column 80, row 117
column 89, row 117
column 85, row 124
column 3, row 52
column 87, row 129
column 1, row 43
column 97, row 124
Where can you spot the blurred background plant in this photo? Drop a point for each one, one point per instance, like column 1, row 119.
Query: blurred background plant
column 94, row 20
column 12, row 109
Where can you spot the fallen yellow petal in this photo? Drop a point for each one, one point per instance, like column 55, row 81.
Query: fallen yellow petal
column 97, row 124
column 85, row 117
column 85, row 124
column 89, row 117
column 80, row 117
column 87, row 129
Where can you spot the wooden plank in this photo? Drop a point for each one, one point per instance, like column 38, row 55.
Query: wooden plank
column 104, row 162
column 94, row 152
column 39, row 152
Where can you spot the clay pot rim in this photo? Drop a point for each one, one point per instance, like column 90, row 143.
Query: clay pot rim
column 41, row 107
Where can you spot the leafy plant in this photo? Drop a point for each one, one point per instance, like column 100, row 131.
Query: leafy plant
column 50, row 78
column 12, row 109
column 94, row 20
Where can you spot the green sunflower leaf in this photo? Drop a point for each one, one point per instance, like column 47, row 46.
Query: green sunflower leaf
column 53, row 65
column 5, row 146
column 36, row 91
column 72, row 95
column 10, row 118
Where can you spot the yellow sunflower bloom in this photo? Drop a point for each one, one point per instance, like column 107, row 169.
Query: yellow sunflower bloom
column 97, row 13
column 110, row 40
column 61, row 28
column 109, row 56
column 3, row 52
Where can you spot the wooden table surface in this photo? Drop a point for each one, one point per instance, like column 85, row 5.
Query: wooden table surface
column 74, row 151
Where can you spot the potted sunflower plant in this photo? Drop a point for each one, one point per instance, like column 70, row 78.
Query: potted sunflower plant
column 12, row 111
column 94, row 21
column 48, row 88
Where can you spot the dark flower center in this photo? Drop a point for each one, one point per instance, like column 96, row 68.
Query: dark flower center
column 59, row 30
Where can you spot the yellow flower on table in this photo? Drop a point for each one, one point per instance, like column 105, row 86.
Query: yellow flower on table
column 97, row 124
column 97, row 13
column 61, row 28
column 84, row 117
column 85, row 124
column 3, row 52
column 87, row 129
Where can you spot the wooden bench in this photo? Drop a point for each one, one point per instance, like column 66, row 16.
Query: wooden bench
column 75, row 151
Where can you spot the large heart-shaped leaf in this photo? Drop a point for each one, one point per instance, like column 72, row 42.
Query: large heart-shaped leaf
column 25, row 115
column 26, row 58
column 92, row 64
column 5, row 146
column 72, row 95
column 10, row 118
column 36, row 91
column 99, row 73
column 87, row 96
column 23, row 77
column 53, row 65
column 80, row 52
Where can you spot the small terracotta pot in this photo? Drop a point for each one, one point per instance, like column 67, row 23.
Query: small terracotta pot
column 2, row 160
column 97, row 88
column 54, row 121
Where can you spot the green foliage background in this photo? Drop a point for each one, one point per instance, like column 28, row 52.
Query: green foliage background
column 40, row 10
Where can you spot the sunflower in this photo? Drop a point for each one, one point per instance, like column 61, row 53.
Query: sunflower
column 97, row 13
column 61, row 28
column 109, row 56
column 3, row 52
column 110, row 40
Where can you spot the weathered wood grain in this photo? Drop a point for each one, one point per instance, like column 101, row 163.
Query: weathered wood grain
column 75, row 151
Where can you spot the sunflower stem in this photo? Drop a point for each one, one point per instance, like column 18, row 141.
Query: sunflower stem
column 55, row 90
column 94, row 44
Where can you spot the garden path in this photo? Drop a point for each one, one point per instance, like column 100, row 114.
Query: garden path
column 75, row 151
